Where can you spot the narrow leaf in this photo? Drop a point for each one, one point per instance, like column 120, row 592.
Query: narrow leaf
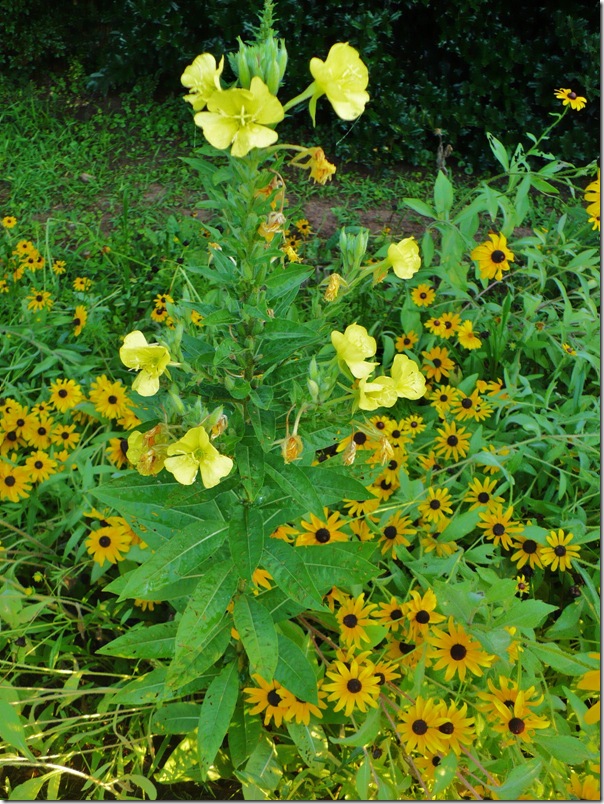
column 215, row 715
column 258, row 636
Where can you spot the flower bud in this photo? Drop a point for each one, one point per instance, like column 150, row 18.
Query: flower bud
column 291, row 448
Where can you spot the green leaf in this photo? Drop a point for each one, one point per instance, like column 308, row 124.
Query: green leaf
column 362, row 779
column 460, row 526
column 295, row 672
column 175, row 718
column 294, row 482
column 258, row 636
column 249, row 459
column 246, row 540
column 444, row 773
column 285, row 279
column 28, row 791
column 525, row 614
column 519, row 779
column 569, row 750
column 262, row 772
column 333, row 486
column 339, row 564
column 290, row 574
column 244, row 733
column 175, row 560
column 143, row 690
column 143, row 642
column 366, row 733
column 12, row 730
column 551, row 655
column 311, row 743
column 443, row 195
column 215, row 715
column 264, row 424
column 420, row 207
column 499, row 151
column 188, row 666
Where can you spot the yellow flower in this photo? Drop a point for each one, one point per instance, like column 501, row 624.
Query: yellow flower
column 321, row 170
column 559, row 552
column 202, row 77
column 404, row 258
column 380, row 393
column 569, row 97
column 343, row 78
column 239, row 117
column 409, row 381
column 194, row 453
column 79, row 319
column 353, row 346
column 466, row 336
column 39, row 300
column 493, row 257
column 9, row 221
column 150, row 359
column 591, row 681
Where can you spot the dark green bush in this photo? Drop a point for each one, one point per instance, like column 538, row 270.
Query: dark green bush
column 464, row 68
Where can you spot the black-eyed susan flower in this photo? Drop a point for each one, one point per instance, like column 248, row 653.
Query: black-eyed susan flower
column 39, row 300
column 117, row 451
column 360, row 439
column 528, row 551
column 40, row 466
column 109, row 398
column 499, row 527
column 80, row 317
column 584, row 787
column 493, row 257
column 322, row 531
column 65, row 394
column 383, row 488
column 303, row 226
column 20, row 421
column 59, row 267
column 452, row 442
column 436, row 326
column 394, row 532
column 437, row 505
column 393, row 467
column 427, row 766
column 471, row 408
column 285, row 533
column 162, row 299
column 353, row 616
column 15, row 483
column 413, row 425
column 159, row 314
column 390, row 614
column 108, row 543
column 420, row 614
column 431, row 542
column 419, row 724
column 466, row 336
column 145, row 605
column 65, row 436
column 361, row 529
column 429, row 462
column 353, row 686
column 423, row 295
column 450, row 323
column 82, row 284
column 569, row 349
column 406, row 341
column 443, row 397
column 516, row 723
column 194, row 453
column 507, row 692
column 559, row 552
column 591, row 681
column 268, row 697
column 592, row 196
column 300, row 711
column 404, row 651
column 438, row 363
column 395, row 431
column 361, row 507
column 482, row 493
column 457, row 652
column 10, row 442
column 570, row 98
column 9, row 221
column 385, row 672
column 196, row 318
column 523, row 585
column 458, row 730
column 39, row 437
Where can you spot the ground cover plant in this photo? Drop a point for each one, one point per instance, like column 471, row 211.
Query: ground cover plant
column 300, row 517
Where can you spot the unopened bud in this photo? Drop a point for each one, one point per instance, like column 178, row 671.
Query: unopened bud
column 313, row 389
column 220, row 426
column 291, row 448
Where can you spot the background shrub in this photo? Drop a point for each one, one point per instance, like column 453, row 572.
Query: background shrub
column 465, row 68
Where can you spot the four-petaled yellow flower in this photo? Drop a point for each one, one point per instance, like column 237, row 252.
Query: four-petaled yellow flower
column 404, row 258
column 353, row 346
column 150, row 359
column 202, row 77
column 409, row 382
column 240, row 117
column 379, row 393
column 343, row 78
column 193, row 453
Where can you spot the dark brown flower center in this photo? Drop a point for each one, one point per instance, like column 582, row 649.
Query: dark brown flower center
column 65, row 435
column 350, row 620
column 436, row 761
column 483, row 497
column 435, row 505
column 385, row 485
column 390, row 532
column 396, row 434
column 112, row 399
column 560, row 550
column 124, row 446
column 437, row 362
column 422, row 617
column 9, row 481
column 452, row 441
column 396, row 614
column 393, row 465
column 380, row 425
column 529, row 546
column 572, row 95
column 104, row 541
column 77, row 322
column 38, row 464
column 498, row 529
column 423, row 295
column 446, row 728
column 458, row 652
column 354, row 685
column 273, row 698
column 516, row 725
column 466, row 403
column 405, row 647
column 381, row 678
column 419, row 727
column 498, row 256
column 322, row 535
column 359, row 438
column 62, row 393
column 42, row 430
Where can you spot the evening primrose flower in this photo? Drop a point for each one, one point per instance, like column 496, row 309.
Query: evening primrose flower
column 379, row 393
column 150, row 359
column 352, row 347
column 343, row 78
column 409, row 381
column 240, row 117
column 404, row 258
column 202, row 77
column 193, row 453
